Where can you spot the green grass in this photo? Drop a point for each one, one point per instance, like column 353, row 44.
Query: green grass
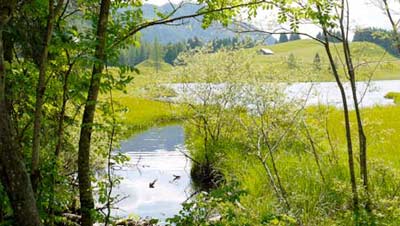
column 314, row 201
column 395, row 96
column 144, row 113
column 149, row 66
column 369, row 59
column 382, row 126
column 138, row 106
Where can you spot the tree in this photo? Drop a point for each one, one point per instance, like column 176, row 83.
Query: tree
column 352, row 77
column 381, row 37
column 156, row 55
column 294, row 37
column 14, row 176
column 319, row 36
column 194, row 43
column 317, row 62
column 172, row 52
column 291, row 61
column 329, row 15
column 41, row 87
column 387, row 9
column 283, row 38
column 333, row 36
column 84, row 175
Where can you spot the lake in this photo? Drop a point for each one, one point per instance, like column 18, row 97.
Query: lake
column 155, row 155
column 326, row 93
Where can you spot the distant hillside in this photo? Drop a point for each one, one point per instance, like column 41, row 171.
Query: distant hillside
column 369, row 58
column 191, row 27
column 306, row 50
column 296, row 61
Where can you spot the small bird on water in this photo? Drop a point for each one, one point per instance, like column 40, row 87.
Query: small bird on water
column 175, row 178
column 151, row 184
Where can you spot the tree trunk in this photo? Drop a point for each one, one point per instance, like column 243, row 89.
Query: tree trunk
column 59, row 145
column 393, row 24
column 13, row 173
column 347, row 122
column 344, row 28
column 40, row 90
column 85, row 189
column 360, row 128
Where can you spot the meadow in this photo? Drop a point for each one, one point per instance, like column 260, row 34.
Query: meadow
column 294, row 61
column 308, row 168
column 144, row 96
column 79, row 77
column 371, row 61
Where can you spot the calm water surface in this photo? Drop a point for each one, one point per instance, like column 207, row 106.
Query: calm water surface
column 155, row 154
column 326, row 93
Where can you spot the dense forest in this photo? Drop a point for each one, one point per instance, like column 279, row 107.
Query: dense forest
column 156, row 52
column 256, row 125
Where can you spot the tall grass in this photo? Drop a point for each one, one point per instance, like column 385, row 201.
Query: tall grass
column 317, row 199
column 141, row 113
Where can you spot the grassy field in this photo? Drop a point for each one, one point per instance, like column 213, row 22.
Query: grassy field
column 395, row 96
column 145, row 89
column 139, row 106
column 382, row 126
column 370, row 60
column 317, row 196
column 143, row 113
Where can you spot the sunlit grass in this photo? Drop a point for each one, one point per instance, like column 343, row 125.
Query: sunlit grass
column 317, row 202
column 395, row 96
column 321, row 199
column 143, row 113
column 370, row 60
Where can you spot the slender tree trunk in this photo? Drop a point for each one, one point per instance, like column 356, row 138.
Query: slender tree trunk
column 85, row 188
column 347, row 122
column 13, row 173
column 314, row 151
column 393, row 24
column 109, row 165
column 278, row 178
column 59, row 145
column 40, row 90
column 360, row 128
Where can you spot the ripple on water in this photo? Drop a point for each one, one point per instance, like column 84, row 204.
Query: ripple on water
column 154, row 155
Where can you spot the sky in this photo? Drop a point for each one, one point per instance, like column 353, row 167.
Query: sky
column 363, row 13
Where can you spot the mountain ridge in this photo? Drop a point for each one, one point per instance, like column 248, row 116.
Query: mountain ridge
column 189, row 28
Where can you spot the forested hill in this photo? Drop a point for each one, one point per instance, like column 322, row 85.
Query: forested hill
column 189, row 29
